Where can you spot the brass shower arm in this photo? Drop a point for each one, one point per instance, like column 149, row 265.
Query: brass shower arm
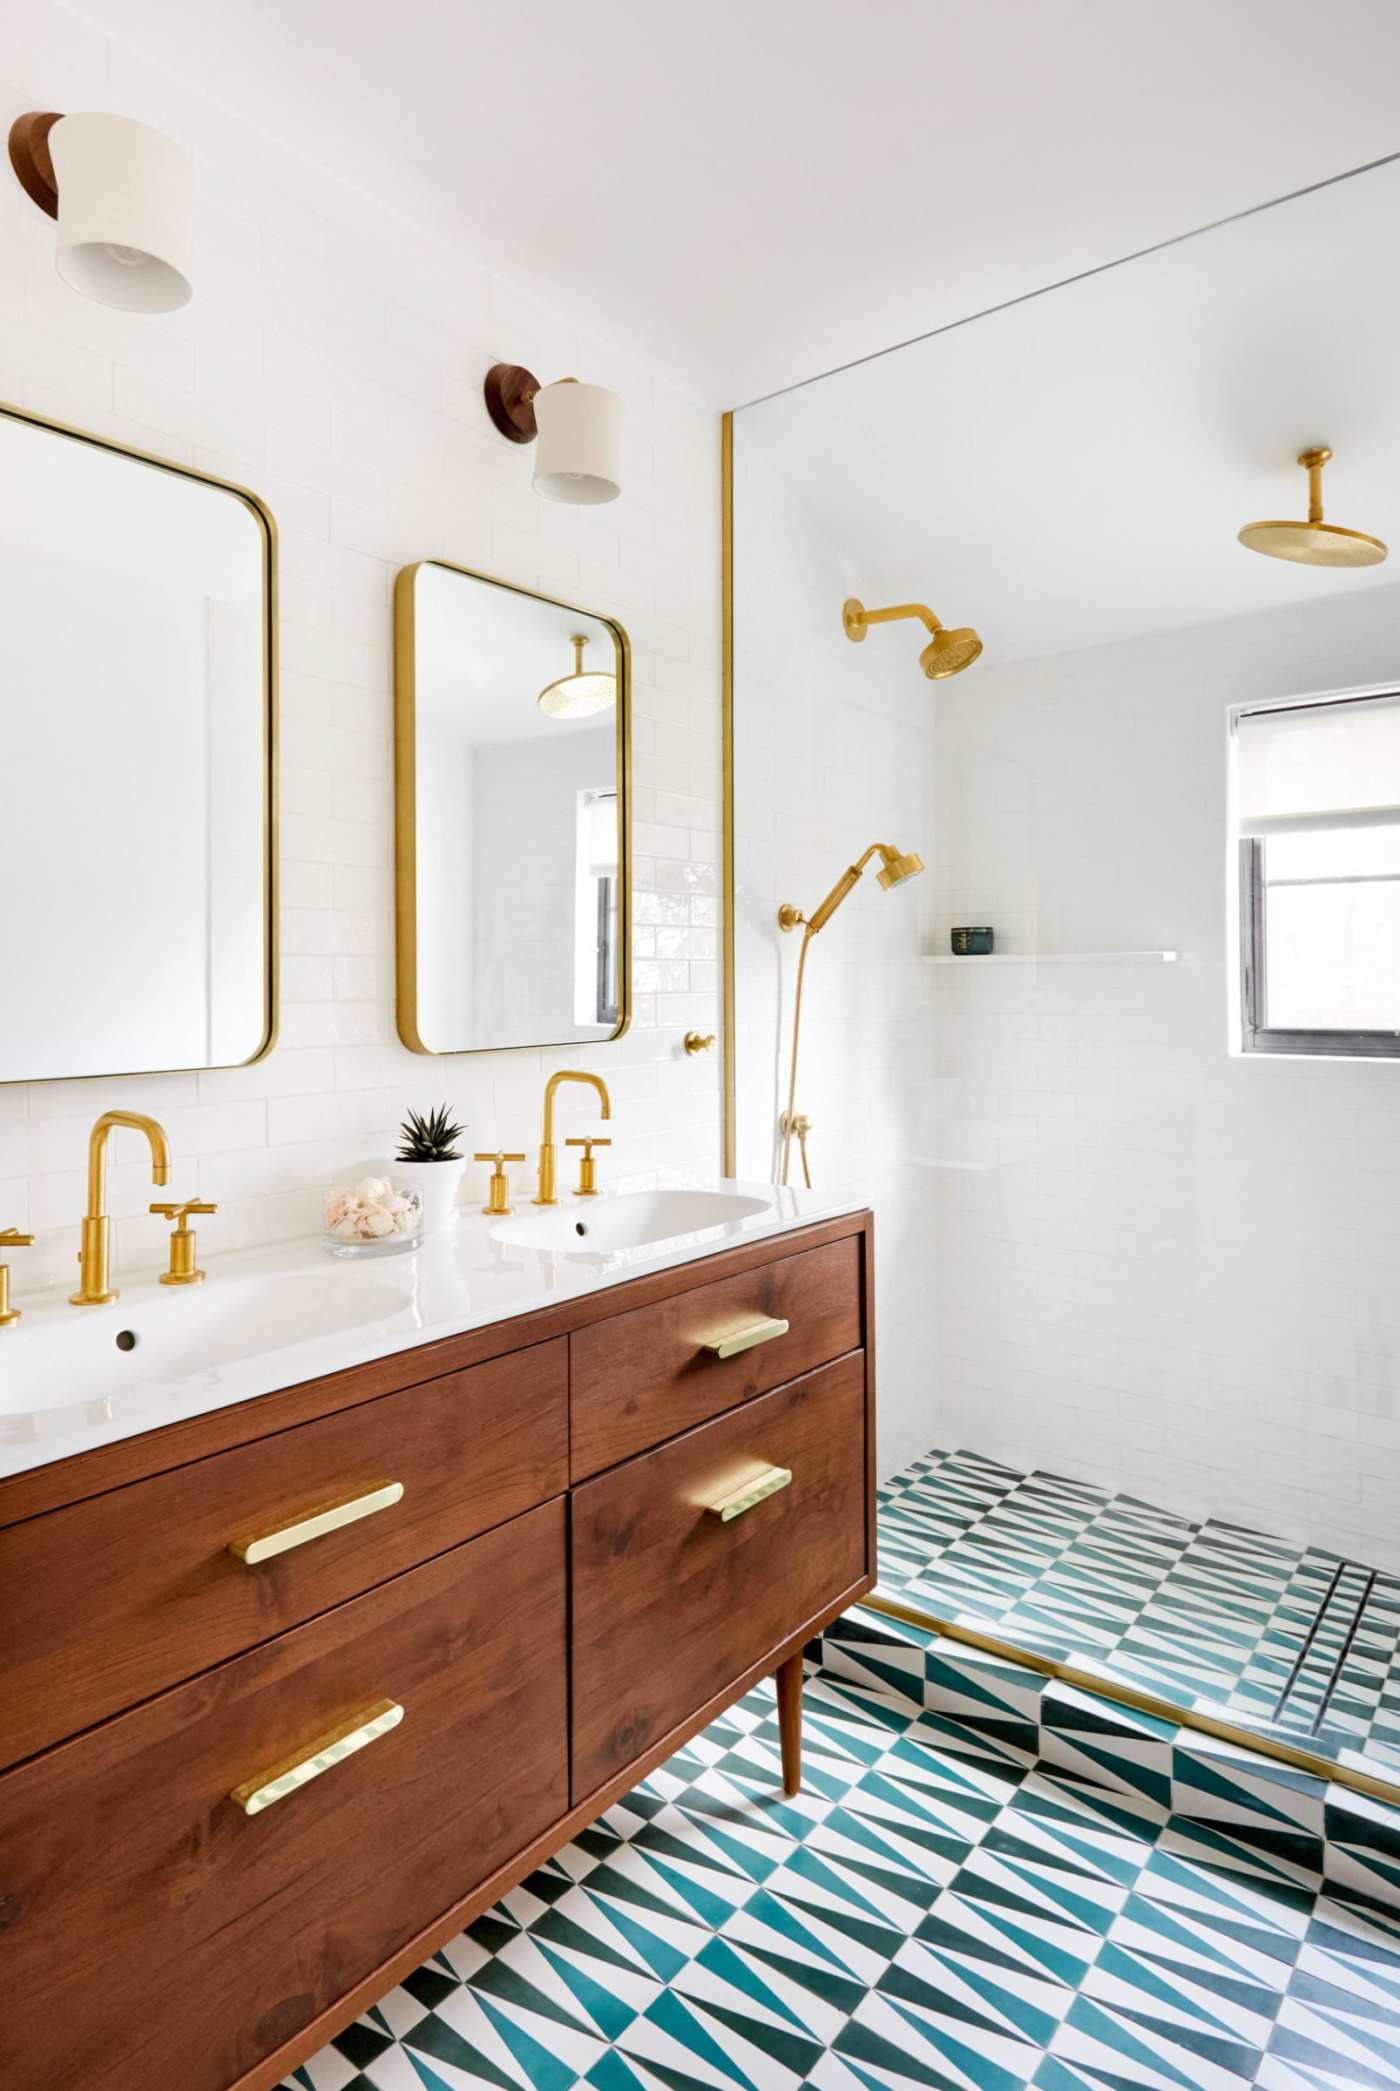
column 857, row 619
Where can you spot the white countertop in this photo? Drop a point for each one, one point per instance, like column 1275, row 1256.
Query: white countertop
column 272, row 1317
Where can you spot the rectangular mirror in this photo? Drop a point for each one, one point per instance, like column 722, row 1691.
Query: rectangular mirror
column 137, row 651
column 513, row 761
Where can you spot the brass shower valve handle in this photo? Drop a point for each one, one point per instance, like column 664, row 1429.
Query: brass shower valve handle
column 698, row 1041
column 498, row 1201
column 587, row 1186
column 183, row 1269
column 10, row 1238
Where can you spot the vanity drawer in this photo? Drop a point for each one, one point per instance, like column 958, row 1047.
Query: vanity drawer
column 120, row 1596
column 672, row 1600
column 156, row 1934
column 639, row 1378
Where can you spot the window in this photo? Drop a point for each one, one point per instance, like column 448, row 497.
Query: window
column 1317, row 795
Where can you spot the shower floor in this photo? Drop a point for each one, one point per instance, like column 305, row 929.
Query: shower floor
column 1296, row 1643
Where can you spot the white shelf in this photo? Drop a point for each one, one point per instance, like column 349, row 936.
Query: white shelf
column 1049, row 958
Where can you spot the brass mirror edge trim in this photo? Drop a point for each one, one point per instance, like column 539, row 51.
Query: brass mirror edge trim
column 1102, row 1687
column 405, row 816
column 267, row 523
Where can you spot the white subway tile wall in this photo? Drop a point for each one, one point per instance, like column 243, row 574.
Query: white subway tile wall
column 1162, row 1268
column 332, row 360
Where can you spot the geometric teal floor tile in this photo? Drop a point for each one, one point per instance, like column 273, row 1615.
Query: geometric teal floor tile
column 936, row 1908
column 1292, row 1642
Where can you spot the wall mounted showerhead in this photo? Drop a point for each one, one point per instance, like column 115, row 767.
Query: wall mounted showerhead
column 947, row 653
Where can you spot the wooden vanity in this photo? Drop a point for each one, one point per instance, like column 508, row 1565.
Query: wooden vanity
column 592, row 1554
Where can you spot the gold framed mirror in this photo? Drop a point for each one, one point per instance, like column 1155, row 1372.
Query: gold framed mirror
column 513, row 858
column 138, row 747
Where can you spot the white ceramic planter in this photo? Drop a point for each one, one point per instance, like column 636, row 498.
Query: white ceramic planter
column 437, row 1184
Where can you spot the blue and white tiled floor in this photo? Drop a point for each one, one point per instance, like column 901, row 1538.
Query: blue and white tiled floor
column 1295, row 1643
column 939, row 1907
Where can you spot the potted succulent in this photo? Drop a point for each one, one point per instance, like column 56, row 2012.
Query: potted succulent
column 428, row 1162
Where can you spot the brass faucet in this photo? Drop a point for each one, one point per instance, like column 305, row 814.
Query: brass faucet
column 94, row 1287
column 547, row 1152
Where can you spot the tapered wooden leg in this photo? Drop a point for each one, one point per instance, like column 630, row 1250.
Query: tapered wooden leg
column 789, row 1682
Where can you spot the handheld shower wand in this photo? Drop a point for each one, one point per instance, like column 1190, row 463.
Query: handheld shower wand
column 895, row 868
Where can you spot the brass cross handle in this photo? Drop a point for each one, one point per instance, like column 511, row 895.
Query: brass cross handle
column 10, row 1238
column 587, row 1186
column 182, row 1269
column 698, row 1041
column 498, row 1203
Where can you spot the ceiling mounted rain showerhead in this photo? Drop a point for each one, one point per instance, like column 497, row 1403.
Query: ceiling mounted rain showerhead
column 1313, row 543
column 947, row 653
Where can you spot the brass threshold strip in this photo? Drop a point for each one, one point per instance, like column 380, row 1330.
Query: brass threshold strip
column 1141, row 1702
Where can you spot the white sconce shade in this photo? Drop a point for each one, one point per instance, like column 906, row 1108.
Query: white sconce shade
column 125, row 212
column 580, row 443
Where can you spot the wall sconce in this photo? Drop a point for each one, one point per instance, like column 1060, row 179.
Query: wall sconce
column 123, row 196
column 579, row 429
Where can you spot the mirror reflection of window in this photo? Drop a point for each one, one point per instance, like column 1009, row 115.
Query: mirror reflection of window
column 514, row 856
column 595, row 909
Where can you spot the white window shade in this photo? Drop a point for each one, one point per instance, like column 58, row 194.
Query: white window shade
column 1318, row 766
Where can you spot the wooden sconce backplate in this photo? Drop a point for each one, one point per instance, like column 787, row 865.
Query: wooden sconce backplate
column 510, row 401
column 29, row 156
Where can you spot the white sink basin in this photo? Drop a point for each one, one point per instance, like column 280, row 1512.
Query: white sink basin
column 61, row 1355
column 635, row 1220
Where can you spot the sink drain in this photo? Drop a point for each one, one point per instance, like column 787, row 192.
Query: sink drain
column 127, row 1339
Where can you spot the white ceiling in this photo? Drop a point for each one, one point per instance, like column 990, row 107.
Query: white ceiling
column 1074, row 470
column 747, row 192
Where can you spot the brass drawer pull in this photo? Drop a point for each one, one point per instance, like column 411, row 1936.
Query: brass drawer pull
column 748, row 1338
column 342, row 1742
column 315, row 1523
column 752, row 1492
